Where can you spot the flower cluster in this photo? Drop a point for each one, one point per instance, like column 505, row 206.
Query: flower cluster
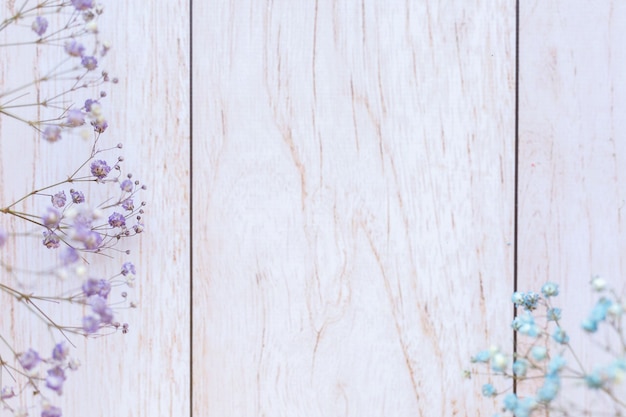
column 546, row 359
column 75, row 227
column 47, row 26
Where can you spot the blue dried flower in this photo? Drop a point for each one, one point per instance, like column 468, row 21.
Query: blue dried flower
column 560, row 336
column 520, row 367
column 549, row 389
column 555, row 365
column 554, row 314
column 550, row 289
column 488, row 390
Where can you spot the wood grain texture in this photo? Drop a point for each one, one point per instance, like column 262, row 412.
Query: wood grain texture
column 572, row 155
column 145, row 372
column 353, row 189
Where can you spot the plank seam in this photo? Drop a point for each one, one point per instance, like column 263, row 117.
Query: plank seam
column 516, row 174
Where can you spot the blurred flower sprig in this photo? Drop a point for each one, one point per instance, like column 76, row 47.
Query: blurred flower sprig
column 64, row 263
column 546, row 366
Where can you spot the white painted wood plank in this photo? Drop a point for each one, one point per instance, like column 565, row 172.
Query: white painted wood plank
column 353, row 204
column 572, row 156
column 145, row 372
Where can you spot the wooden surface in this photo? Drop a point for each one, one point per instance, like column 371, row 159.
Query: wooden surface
column 353, row 198
column 353, row 190
column 572, row 189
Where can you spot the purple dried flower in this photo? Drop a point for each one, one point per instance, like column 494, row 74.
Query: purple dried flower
column 3, row 238
column 51, row 218
column 55, row 379
column 117, row 220
column 91, row 324
column 40, row 25
column 100, row 125
column 99, row 287
column 138, row 228
column 60, row 351
column 100, row 169
column 90, row 286
column 126, row 185
column 89, row 103
column 75, row 118
column 128, row 204
column 77, row 196
column 89, row 62
column 74, row 48
column 29, row 359
column 52, row 134
column 128, row 268
column 51, row 411
column 50, row 240
column 6, row 393
column 92, row 241
column 69, row 256
column 82, row 4
column 100, row 307
column 59, row 199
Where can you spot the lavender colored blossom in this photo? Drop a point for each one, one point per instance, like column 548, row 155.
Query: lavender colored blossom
column 89, row 62
column 100, row 125
column 51, row 411
column 82, row 4
column 51, row 218
column 55, row 379
column 100, row 307
column 75, row 118
column 100, row 169
column 52, row 133
column 77, row 196
column 90, row 287
column 92, row 240
column 99, row 287
column 3, row 238
column 59, row 199
column 126, row 185
column 117, row 220
column 89, row 103
column 74, row 48
column 6, row 393
column 50, row 240
column 128, row 204
column 69, row 256
column 60, row 351
column 138, row 228
column 128, row 268
column 40, row 25
column 91, row 324
column 29, row 359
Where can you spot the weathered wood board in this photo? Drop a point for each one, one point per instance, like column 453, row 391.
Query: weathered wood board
column 572, row 188
column 353, row 204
